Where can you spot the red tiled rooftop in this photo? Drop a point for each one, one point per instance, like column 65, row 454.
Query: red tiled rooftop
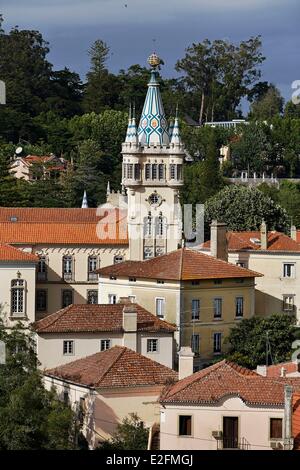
column 224, row 379
column 182, row 264
column 62, row 226
column 277, row 241
column 11, row 254
column 98, row 317
column 116, row 367
column 275, row 369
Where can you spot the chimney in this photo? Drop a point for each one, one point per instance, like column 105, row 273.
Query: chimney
column 282, row 372
column 218, row 240
column 124, row 301
column 261, row 370
column 293, row 233
column 263, row 236
column 186, row 362
column 130, row 326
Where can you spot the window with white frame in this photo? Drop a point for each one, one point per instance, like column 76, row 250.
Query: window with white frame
column 42, row 269
column 218, row 308
column 195, row 343
column 112, row 298
column 92, row 266
column 67, row 268
column 92, row 296
column 239, row 306
column 288, row 302
column 152, row 345
column 217, row 343
column 68, row 347
column 160, row 307
column 104, row 344
column 289, row 270
column 17, row 297
column 195, row 309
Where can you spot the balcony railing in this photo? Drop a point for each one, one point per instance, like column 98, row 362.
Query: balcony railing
column 231, row 443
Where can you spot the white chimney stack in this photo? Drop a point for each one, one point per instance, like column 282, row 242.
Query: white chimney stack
column 130, row 327
column 293, row 233
column 263, row 236
column 186, row 362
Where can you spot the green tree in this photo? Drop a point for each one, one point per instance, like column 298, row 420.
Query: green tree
column 250, row 340
column 130, row 435
column 31, row 418
column 268, row 105
column 244, row 208
column 102, row 88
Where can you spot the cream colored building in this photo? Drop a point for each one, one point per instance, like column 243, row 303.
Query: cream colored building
column 70, row 244
column 17, row 285
column 81, row 330
column 277, row 257
column 106, row 387
column 226, row 406
column 34, row 167
column 203, row 296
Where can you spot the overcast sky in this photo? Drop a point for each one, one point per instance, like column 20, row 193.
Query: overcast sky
column 129, row 27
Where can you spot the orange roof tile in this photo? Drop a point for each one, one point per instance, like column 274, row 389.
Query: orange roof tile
column 11, row 254
column 225, row 378
column 98, row 317
column 277, row 241
column 63, row 226
column 183, row 264
column 296, row 421
column 115, row 367
column 275, row 369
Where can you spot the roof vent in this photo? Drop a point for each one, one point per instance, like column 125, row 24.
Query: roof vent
column 14, row 218
column 256, row 241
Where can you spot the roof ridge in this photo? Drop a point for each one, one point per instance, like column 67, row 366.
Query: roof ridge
column 104, row 374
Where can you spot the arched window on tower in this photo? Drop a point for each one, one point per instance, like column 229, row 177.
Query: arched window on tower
column 160, row 225
column 172, row 171
column 148, row 225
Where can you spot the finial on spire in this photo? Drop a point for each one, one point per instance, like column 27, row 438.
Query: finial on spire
column 154, row 61
column 84, row 204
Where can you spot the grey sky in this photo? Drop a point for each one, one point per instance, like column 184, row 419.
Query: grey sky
column 72, row 25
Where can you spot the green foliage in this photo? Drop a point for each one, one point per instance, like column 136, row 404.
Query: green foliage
column 244, row 208
column 130, row 435
column 31, row 418
column 287, row 196
column 249, row 340
column 268, row 105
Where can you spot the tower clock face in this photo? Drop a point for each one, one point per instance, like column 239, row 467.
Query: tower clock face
column 155, row 199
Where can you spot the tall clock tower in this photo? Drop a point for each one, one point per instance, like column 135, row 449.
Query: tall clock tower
column 152, row 173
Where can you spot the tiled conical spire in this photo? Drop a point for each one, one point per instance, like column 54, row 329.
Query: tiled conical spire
column 175, row 137
column 153, row 127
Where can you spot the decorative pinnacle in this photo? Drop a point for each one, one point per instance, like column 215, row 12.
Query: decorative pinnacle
column 154, row 60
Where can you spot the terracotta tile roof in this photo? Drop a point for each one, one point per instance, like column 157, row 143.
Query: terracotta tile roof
column 182, row 264
column 98, row 317
column 62, row 226
column 275, row 370
column 296, row 421
column 115, row 367
column 277, row 241
column 11, row 254
column 224, row 379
